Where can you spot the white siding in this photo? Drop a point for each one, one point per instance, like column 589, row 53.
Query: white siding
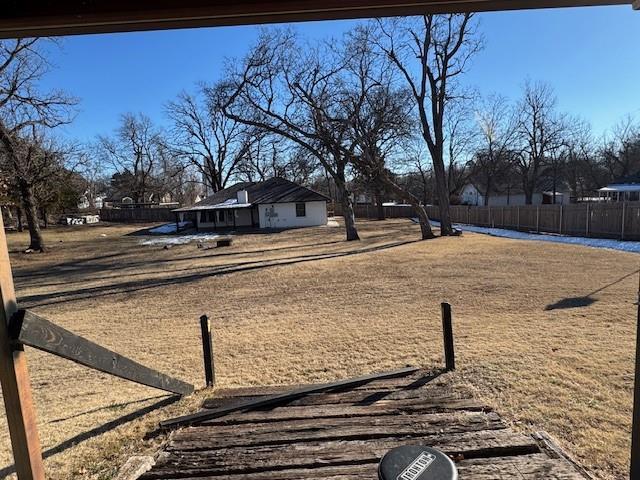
column 283, row 215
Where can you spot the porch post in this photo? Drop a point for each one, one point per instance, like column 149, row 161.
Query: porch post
column 635, row 424
column 14, row 376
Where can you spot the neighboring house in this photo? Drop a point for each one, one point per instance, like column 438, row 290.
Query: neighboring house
column 624, row 189
column 275, row 203
column 473, row 194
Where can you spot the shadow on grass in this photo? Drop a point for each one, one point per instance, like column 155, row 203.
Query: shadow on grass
column 416, row 384
column 90, row 265
column 128, row 287
column 94, row 432
column 586, row 300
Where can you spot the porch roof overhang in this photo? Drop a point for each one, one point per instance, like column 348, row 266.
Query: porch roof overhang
column 220, row 206
column 27, row 18
column 621, row 188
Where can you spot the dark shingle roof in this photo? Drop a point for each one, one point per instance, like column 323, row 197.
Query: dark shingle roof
column 274, row 190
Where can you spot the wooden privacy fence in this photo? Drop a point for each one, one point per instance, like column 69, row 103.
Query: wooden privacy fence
column 371, row 211
column 137, row 215
column 602, row 220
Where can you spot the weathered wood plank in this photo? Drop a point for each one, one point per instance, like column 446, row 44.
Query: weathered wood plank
column 533, row 467
column 14, row 377
column 413, row 381
column 30, row 329
column 463, row 445
column 281, row 398
column 288, row 433
column 382, row 407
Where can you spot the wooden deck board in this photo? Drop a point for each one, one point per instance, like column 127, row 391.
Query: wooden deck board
column 343, row 434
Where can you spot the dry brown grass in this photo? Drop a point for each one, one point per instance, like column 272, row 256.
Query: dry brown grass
column 334, row 309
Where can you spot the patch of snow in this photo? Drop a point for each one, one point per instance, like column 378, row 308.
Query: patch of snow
column 180, row 239
column 168, row 228
column 332, row 223
column 619, row 245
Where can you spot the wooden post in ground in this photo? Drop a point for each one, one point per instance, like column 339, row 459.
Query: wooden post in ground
column 518, row 217
column 560, row 227
column 588, row 220
column 207, row 351
column 624, row 217
column 447, row 332
column 14, row 376
column 538, row 219
column 635, row 425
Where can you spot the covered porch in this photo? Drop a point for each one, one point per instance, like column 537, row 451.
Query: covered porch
column 623, row 192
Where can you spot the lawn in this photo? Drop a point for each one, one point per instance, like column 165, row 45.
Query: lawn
column 544, row 332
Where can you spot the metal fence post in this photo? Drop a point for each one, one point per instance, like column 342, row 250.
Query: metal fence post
column 207, row 351
column 447, row 331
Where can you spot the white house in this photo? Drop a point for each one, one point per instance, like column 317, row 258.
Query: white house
column 275, row 203
column 625, row 189
column 472, row 194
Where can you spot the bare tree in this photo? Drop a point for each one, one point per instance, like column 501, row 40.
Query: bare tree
column 621, row 149
column 430, row 53
column 459, row 138
column 494, row 157
column 584, row 173
column 136, row 151
column 24, row 113
column 209, row 140
column 380, row 120
column 298, row 97
column 540, row 131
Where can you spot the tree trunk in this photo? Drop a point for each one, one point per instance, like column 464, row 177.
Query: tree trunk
column 443, row 197
column 349, row 215
column 423, row 217
column 380, row 207
column 528, row 196
column 45, row 220
column 29, row 205
column 19, row 226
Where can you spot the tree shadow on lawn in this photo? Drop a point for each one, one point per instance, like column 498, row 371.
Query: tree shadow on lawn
column 128, row 287
column 94, row 432
column 587, row 300
column 84, row 266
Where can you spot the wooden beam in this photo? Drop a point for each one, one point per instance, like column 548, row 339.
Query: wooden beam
column 279, row 399
column 14, row 377
column 29, row 329
column 65, row 17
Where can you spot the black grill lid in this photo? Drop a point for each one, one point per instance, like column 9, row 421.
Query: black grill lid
column 414, row 462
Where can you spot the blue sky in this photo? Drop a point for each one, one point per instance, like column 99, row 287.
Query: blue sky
column 589, row 55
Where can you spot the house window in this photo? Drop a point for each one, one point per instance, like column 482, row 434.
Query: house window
column 203, row 217
column 301, row 209
column 221, row 216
